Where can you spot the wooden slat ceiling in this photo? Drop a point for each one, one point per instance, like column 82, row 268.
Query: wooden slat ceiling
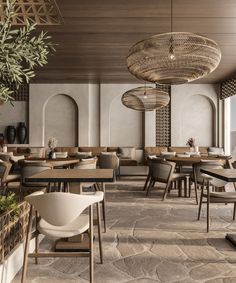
column 96, row 36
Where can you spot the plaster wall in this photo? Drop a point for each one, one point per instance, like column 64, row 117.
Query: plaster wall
column 12, row 115
column 65, row 130
column 119, row 125
column 194, row 113
column 40, row 94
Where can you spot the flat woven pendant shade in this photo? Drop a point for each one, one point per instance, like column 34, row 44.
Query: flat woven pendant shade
column 173, row 58
column 145, row 98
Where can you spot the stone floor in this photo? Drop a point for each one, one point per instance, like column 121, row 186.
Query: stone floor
column 151, row 241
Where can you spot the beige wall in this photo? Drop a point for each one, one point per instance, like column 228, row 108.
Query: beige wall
column 194, row 113
column 61, row 120
column 12, row 115
column 103, row 120
column 119, row 124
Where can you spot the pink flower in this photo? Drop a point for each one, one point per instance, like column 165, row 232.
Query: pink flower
column 191, row 142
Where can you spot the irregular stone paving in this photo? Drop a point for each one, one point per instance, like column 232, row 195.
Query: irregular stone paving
column 149, row 241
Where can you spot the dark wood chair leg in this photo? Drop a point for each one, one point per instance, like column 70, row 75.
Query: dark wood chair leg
column 146, row 183
column 234, row 211
column 166, row 190
column 208, row 206
column 149, row 186
column 104, row 208
column 99, row 232
column 200, row 203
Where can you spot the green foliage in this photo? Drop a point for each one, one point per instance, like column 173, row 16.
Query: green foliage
column 20, row 52
column 8, row 203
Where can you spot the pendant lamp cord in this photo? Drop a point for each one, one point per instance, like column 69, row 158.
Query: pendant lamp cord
column 171, row 16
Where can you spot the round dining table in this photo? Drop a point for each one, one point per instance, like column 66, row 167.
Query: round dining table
column 57, row 162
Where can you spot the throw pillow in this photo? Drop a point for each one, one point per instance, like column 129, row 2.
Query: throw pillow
column 127, row 152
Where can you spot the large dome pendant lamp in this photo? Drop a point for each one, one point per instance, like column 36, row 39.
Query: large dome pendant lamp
column 173, row 58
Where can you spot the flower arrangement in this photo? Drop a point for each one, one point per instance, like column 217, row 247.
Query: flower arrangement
column 52, row 143
column 191, row 142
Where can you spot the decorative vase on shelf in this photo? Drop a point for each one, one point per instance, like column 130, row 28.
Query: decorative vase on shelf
column 22, row 132
column 52, row 154
column 11, row 134
column 196, row 148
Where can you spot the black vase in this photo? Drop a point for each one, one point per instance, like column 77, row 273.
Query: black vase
column 11, row 134
column 22, row 132
column 1, row 138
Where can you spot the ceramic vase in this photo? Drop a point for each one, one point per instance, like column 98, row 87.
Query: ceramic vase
column 11, row 134
column 22, row 132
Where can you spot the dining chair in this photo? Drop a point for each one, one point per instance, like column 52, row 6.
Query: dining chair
column 162, row 172
column 91, row 163
column 61, row 216
column 212, row 189
column 109, row 161
column 27, row 170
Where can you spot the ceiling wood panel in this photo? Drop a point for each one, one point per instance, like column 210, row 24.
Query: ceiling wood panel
column 96, row 35
column 204, row 8
column 111, row 9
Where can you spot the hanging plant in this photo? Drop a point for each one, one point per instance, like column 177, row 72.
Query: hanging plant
column 20, row 52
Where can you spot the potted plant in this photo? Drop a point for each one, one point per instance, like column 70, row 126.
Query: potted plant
column 20, row 52
column 13, row 223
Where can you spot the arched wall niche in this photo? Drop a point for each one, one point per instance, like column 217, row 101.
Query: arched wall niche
column 61, row 119
column 126, row 125
column 198, row 115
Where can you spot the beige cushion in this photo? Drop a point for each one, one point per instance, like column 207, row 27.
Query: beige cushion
column 83, row 155
column 183, row 155
column 17, row 158
column 215, row 150
column 109, row 153
column 192, row 153
column 61, row 154
column 169, row 153
column 127, row 152
column 78, row 226
column 96, row 150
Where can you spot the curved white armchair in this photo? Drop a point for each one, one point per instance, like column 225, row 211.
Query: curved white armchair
column 61, row 216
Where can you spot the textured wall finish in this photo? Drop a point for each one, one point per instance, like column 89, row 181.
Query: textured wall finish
column 194, row 113
column 40, row 94
column 61, row 120
column 125, row 125
column 119, row 125
column 163, row 122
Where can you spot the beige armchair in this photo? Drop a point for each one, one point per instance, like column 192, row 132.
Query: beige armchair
column 61, row 216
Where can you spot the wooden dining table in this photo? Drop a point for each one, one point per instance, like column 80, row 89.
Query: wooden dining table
column 65, row 176
column 189, row 161
column 228, row 175
column 57, row 162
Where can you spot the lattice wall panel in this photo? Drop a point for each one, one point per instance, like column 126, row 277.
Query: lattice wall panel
column 20, row 94
column 41, row 12
column 228, row 88
column 163, row 126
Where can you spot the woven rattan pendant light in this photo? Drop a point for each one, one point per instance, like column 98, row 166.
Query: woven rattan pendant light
column 173, row 58
column 145, row 98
